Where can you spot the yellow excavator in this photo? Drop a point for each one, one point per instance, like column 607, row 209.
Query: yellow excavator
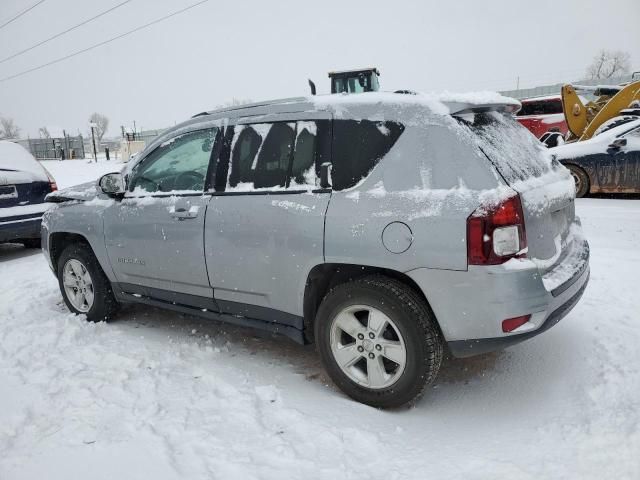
column 610, row 101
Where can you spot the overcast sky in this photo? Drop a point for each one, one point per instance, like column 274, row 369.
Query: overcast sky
column 267, row 49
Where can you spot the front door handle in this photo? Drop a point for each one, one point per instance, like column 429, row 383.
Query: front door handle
column 182, row 213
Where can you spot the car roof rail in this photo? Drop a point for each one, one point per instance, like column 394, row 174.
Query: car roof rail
column 265, row 103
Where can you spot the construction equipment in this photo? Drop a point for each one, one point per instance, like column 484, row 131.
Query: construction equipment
column 611, row 101
column 355, row 81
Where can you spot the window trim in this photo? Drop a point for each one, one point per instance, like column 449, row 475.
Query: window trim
column 187, row 193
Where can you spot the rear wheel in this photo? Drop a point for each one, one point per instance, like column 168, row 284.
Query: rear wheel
column 378, row 341
column 84, row 286
column 581, row 180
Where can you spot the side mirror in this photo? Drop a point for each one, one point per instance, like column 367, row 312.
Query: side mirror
column 325, row 175
column 112, row 184
column 618, row 143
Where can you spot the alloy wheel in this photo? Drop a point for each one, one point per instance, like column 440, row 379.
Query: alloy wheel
column 78, row 285
column 368, row 347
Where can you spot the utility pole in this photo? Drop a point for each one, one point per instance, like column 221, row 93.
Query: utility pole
column 93, row 141
column 518, row 82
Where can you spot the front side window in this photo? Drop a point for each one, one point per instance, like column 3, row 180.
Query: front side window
column 179, row 164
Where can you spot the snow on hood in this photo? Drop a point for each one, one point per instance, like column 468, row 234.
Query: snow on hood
column 19, row 165
column 84, row 191
column 597, row 144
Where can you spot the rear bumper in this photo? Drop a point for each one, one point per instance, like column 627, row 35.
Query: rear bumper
column 471, row 305
column 22, row 228
column 469, row 348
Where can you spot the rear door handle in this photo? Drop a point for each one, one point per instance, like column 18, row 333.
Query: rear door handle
column 182, row 213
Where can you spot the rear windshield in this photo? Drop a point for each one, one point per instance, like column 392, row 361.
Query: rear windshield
column 515, row 153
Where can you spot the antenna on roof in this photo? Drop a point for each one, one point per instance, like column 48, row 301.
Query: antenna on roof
column 312, row 86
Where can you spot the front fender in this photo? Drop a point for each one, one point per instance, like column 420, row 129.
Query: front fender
column 66, row 221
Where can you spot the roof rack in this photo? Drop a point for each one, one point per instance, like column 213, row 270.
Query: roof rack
column 265, row 103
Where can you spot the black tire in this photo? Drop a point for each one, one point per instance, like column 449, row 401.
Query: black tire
column 31, row 242
column 104, row 303
column 581, row 180
column 415, row 322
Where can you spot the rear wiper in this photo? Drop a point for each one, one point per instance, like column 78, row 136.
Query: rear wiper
column 7, row 170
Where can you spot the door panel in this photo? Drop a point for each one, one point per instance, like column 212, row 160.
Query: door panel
column 155, row 235
column 260, row 248
column 265, row 232
column 150, row 244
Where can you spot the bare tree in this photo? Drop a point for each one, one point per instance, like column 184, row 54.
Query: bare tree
column 44, row 132
column 608, row 64
column 8, row 128
column 102, row 124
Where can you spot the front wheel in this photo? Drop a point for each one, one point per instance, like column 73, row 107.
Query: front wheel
column 378, row 341
column 84, row 286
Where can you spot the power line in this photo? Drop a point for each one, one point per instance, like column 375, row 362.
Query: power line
column 20, row 14
column 64, row 32
column 58, row 60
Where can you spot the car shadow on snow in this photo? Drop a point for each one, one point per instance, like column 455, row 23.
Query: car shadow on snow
column 13, row 251
column 267, row 348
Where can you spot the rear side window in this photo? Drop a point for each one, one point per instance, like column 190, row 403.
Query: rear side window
column 358, row 145
column 274, row 156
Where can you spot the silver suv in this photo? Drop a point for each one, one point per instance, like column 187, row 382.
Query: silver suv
column 382, row 227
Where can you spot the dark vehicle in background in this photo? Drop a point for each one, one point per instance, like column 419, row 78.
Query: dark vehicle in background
column 541, row 114
column 609, row 162
column 23, row 185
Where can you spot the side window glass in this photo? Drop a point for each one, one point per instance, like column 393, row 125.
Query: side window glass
column 358, row 145
column 305, row 166
column 260, row 156
column 180, row 164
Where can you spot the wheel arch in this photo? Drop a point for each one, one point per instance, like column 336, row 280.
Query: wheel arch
column 58, row 241
column 325, row 276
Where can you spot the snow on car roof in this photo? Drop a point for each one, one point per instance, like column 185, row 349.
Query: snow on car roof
column 16, row 157
column 446, row 103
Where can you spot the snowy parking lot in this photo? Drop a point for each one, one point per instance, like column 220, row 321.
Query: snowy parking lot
column 160, row 395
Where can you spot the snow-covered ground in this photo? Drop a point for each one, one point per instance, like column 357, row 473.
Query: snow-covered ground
column 164, row 396
column 72, row 172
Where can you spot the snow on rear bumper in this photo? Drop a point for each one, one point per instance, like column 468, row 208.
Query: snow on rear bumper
column 574, row 261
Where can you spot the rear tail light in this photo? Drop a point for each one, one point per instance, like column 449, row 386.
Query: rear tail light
column 52, row 182
column 510, row 324
column 496, row 234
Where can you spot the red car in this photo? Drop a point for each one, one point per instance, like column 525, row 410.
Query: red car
column 540, row 114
